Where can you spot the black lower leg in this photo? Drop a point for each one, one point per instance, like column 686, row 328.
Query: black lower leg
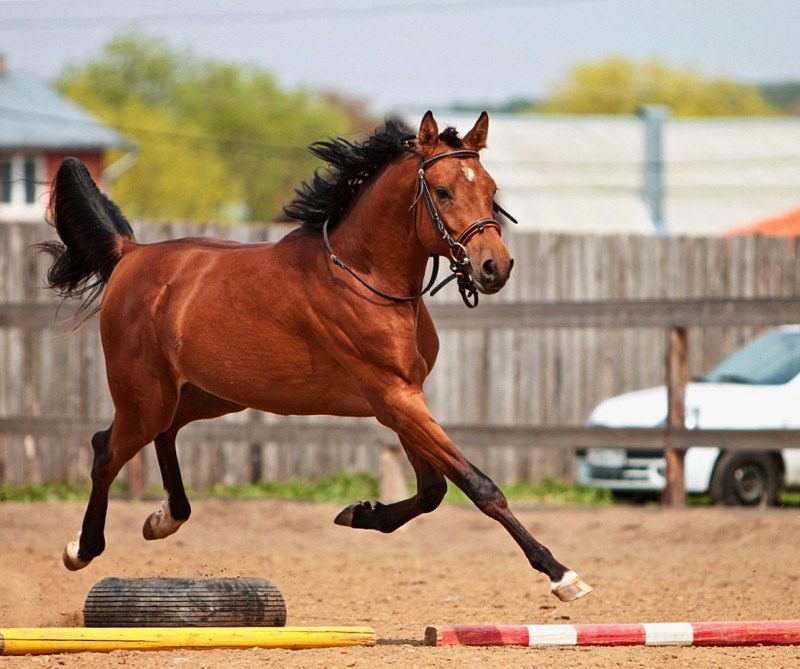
column 179, row 506
column 431, row 487
column 491, row 501
column 92, row 540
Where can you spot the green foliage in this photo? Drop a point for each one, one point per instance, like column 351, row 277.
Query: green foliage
column 342, row 487
column 51, row 491
column 618, row 85
column 784, row 96
column 546, row 490
column 170, row 179
column 215, row 140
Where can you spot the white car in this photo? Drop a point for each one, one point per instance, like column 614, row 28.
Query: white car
column 755, row 388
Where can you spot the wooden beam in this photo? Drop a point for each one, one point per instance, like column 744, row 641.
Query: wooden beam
column 677, row 369
column 394, row 487
column 474, row 436
column 706, row 312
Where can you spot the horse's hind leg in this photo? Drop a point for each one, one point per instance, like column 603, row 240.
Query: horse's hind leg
column 175, row 509
column 112, row 449
column 194, row 404
column 431, row 488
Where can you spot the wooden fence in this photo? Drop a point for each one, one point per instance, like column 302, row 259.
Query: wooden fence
column 499, row 367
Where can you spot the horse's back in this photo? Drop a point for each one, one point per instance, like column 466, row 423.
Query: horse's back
column 238, row 320
column 182, row 261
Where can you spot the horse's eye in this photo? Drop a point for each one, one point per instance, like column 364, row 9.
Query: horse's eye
column 442, row 193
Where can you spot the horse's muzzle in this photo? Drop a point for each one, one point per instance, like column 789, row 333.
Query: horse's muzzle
column 490, row 274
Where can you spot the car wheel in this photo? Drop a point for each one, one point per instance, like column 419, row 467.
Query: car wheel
column 746, row 479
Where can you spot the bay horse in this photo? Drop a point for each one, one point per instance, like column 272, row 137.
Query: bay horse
column 328, row 320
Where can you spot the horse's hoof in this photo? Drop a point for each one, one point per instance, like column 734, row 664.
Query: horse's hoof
column 70, row 557
column 571, row 587
column 347, row 517
column 160, row 524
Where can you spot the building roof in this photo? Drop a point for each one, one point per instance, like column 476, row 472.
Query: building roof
column 785, row 225
column 34, row 116
column 585, row 173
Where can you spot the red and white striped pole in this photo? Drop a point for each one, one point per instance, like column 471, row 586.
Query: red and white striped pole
column 779, row 632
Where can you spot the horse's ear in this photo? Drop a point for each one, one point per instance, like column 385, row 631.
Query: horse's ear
column 428, row 135
column 475, row 139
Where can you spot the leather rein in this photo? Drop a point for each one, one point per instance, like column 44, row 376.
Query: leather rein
column 459, row 258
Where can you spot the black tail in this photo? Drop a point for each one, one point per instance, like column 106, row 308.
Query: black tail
column 90, row 226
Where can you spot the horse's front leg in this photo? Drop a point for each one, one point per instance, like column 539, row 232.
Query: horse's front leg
column 431, row 487
column 403, row 409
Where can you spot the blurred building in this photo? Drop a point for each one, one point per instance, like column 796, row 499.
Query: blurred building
column 585, row 174
column 38, row 129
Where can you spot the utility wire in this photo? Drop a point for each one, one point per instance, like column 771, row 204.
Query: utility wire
column 359, row 11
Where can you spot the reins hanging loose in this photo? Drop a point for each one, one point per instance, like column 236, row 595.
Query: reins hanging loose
column 459, row 257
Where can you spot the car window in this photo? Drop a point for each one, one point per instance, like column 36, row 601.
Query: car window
column 772, row 359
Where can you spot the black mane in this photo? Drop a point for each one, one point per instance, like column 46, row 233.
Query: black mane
column 330, row 192
column 328, row 195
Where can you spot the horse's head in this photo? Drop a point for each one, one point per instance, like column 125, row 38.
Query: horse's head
column 461, row 193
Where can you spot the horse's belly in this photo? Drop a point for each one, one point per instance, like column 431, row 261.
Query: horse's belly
column 281, row 377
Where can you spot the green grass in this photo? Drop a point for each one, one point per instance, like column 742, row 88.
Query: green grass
column 545, row 491
column 340, row 488
column 789, row 498
column 345, row 487
column 51, row 491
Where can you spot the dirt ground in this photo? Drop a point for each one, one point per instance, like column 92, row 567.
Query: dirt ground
column 451, row 567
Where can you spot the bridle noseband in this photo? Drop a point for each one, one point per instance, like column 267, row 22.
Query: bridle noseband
column 459, row 258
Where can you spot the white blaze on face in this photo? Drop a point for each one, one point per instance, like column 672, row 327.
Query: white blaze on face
column 468, row 172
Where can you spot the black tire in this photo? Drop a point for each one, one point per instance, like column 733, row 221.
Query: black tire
column 184, row 602
column 746, row 479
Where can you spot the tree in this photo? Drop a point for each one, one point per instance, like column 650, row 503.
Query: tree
column 784, row 95
column 213, row 137
column 174, row 176
column 618, row 85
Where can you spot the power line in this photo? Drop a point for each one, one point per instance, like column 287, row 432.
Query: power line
column 281, row 16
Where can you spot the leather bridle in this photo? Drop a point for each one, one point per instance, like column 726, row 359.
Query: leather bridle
column 457, row 249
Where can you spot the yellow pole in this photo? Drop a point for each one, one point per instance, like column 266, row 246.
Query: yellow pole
column 46, row 640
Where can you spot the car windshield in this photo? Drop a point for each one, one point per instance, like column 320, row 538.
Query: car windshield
column 769, row 360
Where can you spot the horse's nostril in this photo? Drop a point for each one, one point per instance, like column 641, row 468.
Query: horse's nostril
column 488, row 267
column 510, row 264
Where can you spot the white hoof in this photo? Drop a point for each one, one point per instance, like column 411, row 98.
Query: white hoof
column 570, row 587
column 70, row 557
column 160, row 524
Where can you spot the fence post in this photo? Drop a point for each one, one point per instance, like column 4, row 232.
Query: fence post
column 136, row 475
column 677, row 378
column 393, row 481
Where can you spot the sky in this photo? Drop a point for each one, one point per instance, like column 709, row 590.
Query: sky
column 420, row 53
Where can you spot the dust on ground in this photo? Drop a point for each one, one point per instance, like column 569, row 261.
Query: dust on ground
column 454, row 566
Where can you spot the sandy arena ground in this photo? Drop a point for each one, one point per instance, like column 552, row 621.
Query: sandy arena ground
column 451, row 567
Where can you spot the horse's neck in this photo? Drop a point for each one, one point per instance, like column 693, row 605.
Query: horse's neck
column 378, row 236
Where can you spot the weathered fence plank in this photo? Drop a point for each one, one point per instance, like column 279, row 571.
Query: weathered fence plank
column 517, row 360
